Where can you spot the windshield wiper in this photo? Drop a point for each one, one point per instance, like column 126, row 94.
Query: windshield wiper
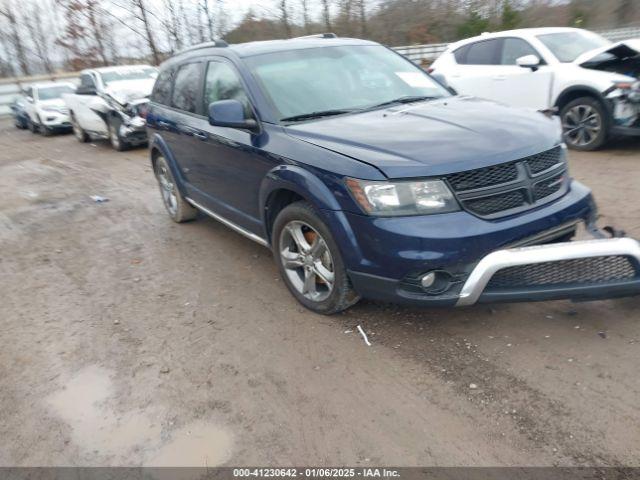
column 399, row 100
column 319, row 114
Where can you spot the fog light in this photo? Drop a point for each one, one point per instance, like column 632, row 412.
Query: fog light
column 428, row 280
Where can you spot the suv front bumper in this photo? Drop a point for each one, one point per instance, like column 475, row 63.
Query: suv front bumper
column 581, row 270
column 578, row 271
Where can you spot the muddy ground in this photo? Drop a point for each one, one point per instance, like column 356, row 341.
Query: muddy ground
column 126, row 339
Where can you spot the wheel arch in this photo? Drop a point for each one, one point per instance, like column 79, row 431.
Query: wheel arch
column 287, row 184
column 158, row 147
column 577, row 91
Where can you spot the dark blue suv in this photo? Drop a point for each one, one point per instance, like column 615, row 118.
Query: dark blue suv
column 368, row 178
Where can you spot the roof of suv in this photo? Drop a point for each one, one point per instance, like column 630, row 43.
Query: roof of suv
column 270, row 46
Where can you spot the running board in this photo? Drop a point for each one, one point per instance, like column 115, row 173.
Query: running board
column 229, row 223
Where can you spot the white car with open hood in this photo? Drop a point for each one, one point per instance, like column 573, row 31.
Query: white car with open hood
column 591, row 82
column 111, row 103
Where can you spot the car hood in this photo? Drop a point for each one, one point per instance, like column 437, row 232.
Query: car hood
column 54, row 102
column 126, row 91
column 619, row 50
column 434, row 138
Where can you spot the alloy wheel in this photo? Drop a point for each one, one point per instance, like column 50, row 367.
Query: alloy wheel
column 581, row 125
column 168, row 189
column 307, row 261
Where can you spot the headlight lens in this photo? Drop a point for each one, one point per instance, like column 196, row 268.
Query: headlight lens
column 421, row 197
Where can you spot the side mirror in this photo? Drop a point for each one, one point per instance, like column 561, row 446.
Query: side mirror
column 441, row 79
column 86, row 90
column 29, row 99
column 529, row 61
column 230, row 113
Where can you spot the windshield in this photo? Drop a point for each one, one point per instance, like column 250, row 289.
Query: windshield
column 567, row 46
column 51, row 93
column 305, row 81
column 135, row 73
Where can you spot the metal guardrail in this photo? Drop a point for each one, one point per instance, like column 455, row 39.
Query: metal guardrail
column 9, row 88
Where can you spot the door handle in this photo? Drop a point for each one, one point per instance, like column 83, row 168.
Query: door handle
column 500, row 77
column 162, row 124
column 200, row 135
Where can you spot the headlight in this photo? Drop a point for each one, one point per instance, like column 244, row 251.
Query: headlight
column 403, row 197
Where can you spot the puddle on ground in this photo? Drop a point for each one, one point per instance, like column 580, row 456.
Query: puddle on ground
column 99, row 429
column 196, row 445
column 83, row 404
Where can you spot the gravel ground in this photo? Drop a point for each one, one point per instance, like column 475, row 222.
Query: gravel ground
column 130, row 340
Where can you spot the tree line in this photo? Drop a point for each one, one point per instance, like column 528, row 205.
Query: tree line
column 44, row 36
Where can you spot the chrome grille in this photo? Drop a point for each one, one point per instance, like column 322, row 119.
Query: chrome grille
column 566, row 272
column 505, row 189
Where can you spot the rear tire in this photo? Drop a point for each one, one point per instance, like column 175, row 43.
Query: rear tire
column 177, row 207
column 309, row 260
column 584, row 124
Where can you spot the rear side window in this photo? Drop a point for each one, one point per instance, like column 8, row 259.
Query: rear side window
column 162, row 88
column 514, row 48
column 86, row 80
column 185, row 87
column 483, row 53
column 223, row 83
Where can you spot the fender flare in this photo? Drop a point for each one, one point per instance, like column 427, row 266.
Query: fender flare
column 308, row 186
column 590, row 91
column 157, row 145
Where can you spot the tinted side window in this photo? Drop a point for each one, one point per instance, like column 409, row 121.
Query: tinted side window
column 223, row 83
column 162, row 88
column 483, row 53
column 461, row 54
column 86, row 80
column 185, row 87
column 514, row 48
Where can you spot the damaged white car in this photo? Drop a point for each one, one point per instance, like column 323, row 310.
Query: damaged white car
column 589, row 81
column 111, row 103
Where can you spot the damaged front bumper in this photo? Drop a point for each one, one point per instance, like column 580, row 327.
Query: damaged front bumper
column 624, row 103
column 580, row 270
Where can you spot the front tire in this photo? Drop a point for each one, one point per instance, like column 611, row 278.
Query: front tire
column 177, row 207
column 32, row 126
column 310, row 262
column 117, row 142
column 78, row 131
column 584, row 124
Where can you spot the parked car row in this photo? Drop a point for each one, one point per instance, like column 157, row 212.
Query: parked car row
column 110, row 103
column 365, row 175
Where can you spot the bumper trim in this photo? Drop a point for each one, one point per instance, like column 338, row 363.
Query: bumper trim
column 481, row 275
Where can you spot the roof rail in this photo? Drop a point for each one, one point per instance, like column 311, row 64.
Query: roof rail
column 317, row 35
column 214, row 44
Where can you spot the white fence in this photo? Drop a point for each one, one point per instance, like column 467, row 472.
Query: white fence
column 9, row 88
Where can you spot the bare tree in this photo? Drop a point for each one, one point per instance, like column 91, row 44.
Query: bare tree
column 326, row 14
column 208, row 17
column 35, row 27
column 305, row 15
column 362, row 16
column 173, row 25
column 15, row 37
column 143, row 15
column 284, row 16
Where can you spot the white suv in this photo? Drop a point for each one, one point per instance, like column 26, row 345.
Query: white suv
column 592, row 82
column 45, row 108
